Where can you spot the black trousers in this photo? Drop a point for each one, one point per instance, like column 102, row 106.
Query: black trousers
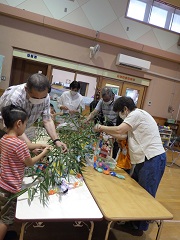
column 115, row 149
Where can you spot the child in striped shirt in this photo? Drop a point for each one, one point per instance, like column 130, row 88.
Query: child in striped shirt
column 14, row 157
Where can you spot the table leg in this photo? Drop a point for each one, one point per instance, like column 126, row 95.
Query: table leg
column 160, row 225
column 80, row 224
column 108, row 229
column 21, row 237
column 91, row 230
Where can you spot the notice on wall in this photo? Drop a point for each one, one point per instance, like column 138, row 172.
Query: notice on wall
column 1, row 63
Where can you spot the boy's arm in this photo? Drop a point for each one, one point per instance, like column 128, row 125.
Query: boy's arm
column 31, row 161
column 32, row 146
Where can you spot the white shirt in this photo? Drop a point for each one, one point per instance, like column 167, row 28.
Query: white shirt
column 71, row 102
column 144, row 138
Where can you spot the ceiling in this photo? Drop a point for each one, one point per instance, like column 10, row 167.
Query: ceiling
column 106, row 16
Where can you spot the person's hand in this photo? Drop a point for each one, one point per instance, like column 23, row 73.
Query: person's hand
column 72, row 111
column 64, row 108
column 97, row 127
column 62, row 145
column 40, row 148
column 47, row 149
column 52, row 116
column 86, row 120
column 42, row 145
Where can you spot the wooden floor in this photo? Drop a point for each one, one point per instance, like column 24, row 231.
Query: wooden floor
column 168, row 194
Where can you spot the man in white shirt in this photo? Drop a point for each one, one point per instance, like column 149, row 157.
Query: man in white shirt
column 71, row 101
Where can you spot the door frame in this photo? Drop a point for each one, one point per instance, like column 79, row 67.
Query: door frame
column 123, row 86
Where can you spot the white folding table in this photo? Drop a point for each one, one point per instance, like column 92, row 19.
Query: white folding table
column 76, row 205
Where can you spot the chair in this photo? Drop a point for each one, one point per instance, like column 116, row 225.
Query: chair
column 174, row 147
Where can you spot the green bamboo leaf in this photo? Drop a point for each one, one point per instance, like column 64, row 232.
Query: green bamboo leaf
column 61, row 165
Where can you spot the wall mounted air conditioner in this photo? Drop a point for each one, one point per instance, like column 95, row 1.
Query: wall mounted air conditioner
column 128, row 61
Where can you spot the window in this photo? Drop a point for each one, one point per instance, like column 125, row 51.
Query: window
column 175, row 26
column 134, row 7
column 155, row 13
column 133, row 93
column 158, row 14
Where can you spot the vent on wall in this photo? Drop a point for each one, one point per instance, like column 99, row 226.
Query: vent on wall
column 136, row 63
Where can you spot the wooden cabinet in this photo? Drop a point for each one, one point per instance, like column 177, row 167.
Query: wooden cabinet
column 165, row 133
